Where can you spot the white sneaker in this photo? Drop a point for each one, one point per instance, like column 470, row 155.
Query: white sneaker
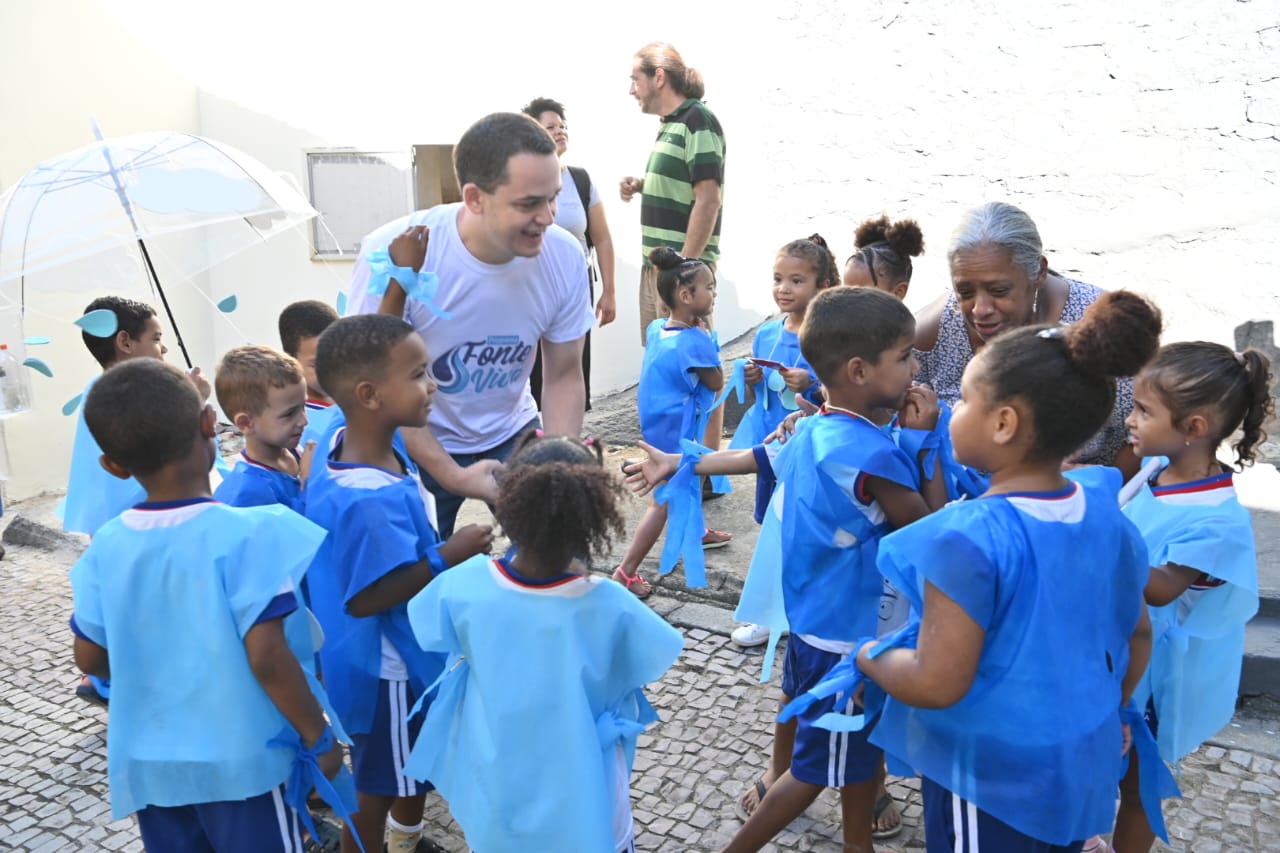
column 750, row 634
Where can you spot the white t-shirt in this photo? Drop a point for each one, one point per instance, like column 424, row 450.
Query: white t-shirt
column 570, row 214
column 482, row 356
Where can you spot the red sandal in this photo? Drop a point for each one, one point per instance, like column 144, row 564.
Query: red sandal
column 638, row 586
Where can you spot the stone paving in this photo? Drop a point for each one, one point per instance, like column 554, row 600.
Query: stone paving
column 713, row 740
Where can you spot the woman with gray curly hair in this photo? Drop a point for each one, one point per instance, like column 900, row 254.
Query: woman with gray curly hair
column 1001, row 280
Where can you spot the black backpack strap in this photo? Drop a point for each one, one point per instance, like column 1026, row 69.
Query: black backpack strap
column 582, row 181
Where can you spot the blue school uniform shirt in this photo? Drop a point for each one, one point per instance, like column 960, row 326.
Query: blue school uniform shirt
column 532, row 735
column 378, row 521
column 170, row 590
column 774, row 343
column 817, row 546
column 254, row 483
column 1055, row 580
column 672, row 401
column 94, row 496
column 1198, row 638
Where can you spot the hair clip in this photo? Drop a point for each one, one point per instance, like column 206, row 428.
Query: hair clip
column 539, row 433
column 589, row 442
column 1239, row 358
column 1050, row 334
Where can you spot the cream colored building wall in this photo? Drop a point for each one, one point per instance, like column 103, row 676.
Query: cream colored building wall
column 1142, row 137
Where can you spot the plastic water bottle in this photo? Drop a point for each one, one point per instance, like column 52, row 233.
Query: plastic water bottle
column 14, row 397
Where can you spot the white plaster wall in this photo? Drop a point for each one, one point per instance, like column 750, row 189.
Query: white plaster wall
column 60, row 62
column 1142, row 137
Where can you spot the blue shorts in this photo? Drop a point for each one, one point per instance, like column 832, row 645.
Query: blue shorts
column 822, row 757
column 952, row 825
column 261, row 824
column 378, row 758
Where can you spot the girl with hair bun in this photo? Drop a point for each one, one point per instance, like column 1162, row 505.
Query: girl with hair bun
column 883, row 255
column 1028, row 598
column 546, row 666
column 1203, row 586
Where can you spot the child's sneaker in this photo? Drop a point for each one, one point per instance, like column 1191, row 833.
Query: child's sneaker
column 1097, row 844
column 750, row 635
column 715, row 539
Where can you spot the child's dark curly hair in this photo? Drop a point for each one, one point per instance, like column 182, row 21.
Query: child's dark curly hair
column 556, row 500
column 886, row 248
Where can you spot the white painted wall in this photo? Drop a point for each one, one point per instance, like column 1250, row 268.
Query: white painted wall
column 1142, row 137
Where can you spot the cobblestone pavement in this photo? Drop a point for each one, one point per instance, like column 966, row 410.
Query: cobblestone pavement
column 713, row 741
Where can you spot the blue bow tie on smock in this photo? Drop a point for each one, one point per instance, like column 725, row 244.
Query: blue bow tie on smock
column 305, row 774
column 1155, row 782
column 419, row 286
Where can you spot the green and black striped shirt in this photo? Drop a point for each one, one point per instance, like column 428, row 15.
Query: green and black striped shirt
column 690, row 148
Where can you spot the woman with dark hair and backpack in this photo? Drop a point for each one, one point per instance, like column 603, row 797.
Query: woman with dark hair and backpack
column 579, row 211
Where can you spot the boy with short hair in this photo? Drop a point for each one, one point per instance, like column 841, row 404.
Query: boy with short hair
column 381, row 550
column 301, row 324
column 215, row 583
column 264, row 394
column 844, row 484
column 94, row 497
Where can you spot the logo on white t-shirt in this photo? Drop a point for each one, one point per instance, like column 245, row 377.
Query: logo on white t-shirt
column 476, row 366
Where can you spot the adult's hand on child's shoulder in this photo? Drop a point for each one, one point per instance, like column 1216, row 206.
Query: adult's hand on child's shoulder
column 466, row 542
column 202, row 384
column 920, row 410
column 409, row 248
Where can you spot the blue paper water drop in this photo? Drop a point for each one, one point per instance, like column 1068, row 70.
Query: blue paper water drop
column 38, row 366
column 101, row 323
column 69, row 407
column 342, row 303
column 36, row 341
column 228, row 305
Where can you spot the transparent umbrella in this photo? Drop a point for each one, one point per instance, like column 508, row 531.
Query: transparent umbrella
column 117, row 215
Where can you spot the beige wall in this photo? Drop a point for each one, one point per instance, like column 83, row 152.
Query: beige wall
column 1142, row 137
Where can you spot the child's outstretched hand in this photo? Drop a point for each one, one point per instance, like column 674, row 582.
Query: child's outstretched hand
column 409, row 248
column 647, row 474
column 797, row 378
column 202, row 384
column 920, row 410
column 466, row 542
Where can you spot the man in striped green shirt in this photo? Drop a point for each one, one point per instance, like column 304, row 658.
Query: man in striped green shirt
column 681, row 191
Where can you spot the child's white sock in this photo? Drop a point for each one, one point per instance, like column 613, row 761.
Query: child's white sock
column 401, row 838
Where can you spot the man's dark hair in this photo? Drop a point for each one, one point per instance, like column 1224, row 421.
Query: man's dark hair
column 131, row 317
column 355, row 348
column 481, row 155
column 144, row 414
column 305, row 319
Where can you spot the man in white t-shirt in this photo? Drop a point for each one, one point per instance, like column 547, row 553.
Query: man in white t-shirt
column 510, row 280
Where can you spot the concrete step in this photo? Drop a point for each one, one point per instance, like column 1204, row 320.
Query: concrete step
column 1261, row 673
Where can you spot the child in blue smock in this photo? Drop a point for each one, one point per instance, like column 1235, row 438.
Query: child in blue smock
column 214, row 583
column 1203, row 585
column 843, row 483
column 533, row 733
column 263, row 393
column 678, row 383
column 382, row 549
column 94, row 497
column 300, row 325
column 1028, row 599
